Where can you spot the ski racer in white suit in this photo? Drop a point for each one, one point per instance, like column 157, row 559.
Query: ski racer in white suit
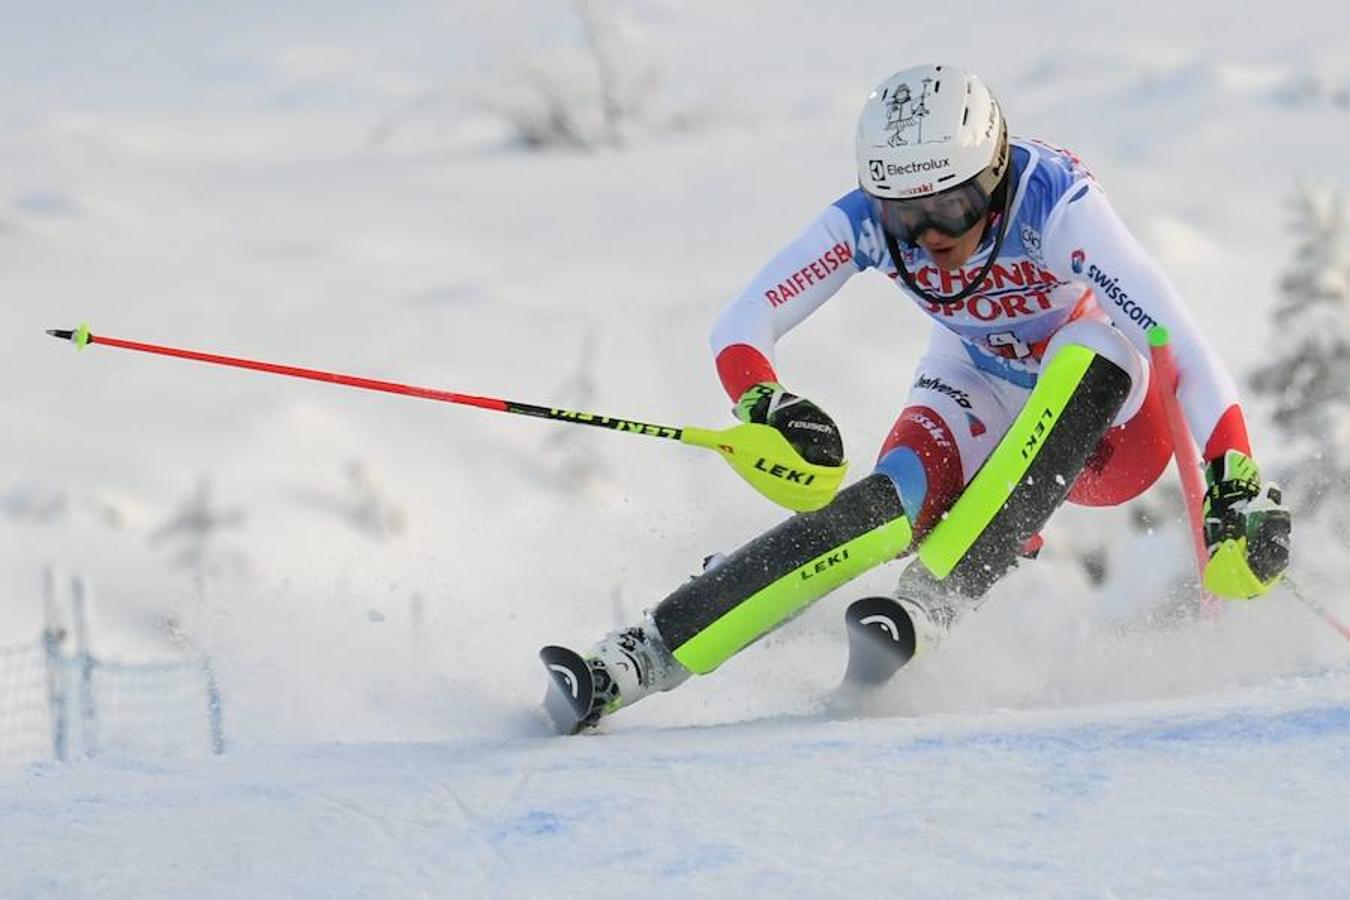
column 1007, row 271
column 1012, row 250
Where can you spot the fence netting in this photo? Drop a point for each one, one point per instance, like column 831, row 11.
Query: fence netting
column 25, row 707
column 58, row 705
column 152, row 708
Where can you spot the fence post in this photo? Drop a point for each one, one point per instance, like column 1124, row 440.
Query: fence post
column 52, row 636
column 215, row 707
column 85, row 661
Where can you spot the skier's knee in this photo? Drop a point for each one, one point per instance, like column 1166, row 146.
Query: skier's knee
column 1107, row 342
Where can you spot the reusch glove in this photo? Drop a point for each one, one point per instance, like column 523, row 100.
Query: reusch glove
column 1246, row 529
column 807, row 428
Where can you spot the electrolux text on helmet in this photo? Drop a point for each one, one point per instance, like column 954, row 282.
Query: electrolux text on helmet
column 925, row 165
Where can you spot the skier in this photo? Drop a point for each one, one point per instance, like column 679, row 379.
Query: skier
column 1035, row 388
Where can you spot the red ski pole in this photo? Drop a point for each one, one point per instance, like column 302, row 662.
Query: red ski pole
column 1188, row 458
column 758, row 453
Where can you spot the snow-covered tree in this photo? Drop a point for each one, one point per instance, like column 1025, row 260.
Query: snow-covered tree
column 193, row 531
column 589, row 85
column 1307, row 380
column 590, row 95
column 362, row 502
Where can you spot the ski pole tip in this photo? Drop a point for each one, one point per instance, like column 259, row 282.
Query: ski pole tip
column 78, row 336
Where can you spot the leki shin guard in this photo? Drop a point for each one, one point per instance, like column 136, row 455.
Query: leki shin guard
column 1030, row 472
column 763, row 584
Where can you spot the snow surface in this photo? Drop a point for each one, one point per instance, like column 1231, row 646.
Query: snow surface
column 326, row 185
column 1225, row 795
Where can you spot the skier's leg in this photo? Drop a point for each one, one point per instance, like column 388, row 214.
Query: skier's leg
column 755, row 589
column 744, row 596
column 1136, row 449
column 954, row 418
column 764, row 583
column 1080, row 392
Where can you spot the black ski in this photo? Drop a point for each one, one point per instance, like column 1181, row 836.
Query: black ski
column 880, row 640
column 571, row 689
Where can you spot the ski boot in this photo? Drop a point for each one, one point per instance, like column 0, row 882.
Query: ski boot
column 624, row 667
column 884, row 633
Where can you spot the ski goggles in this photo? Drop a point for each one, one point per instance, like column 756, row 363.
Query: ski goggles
column 952, row 212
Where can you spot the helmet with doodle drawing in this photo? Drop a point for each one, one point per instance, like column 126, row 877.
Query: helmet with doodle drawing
column 932, row 150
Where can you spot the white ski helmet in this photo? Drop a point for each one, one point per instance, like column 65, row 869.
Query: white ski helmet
column 929, row 128
column 932, row 152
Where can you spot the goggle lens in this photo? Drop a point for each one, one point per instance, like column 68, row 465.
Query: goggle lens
column 952, row 212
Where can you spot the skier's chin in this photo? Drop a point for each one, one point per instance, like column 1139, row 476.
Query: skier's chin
column 951, row 252
column 950, row 258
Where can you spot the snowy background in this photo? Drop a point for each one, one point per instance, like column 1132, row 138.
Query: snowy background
column 349, row 186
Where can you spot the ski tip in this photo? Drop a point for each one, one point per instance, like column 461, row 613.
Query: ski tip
column 78, row 336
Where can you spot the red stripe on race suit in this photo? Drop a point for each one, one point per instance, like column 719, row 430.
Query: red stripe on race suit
column 923, row 431
column 1229, row 434
column 740, row 366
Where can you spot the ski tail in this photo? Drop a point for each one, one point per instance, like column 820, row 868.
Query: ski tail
column 570, row 699
column 881, row 639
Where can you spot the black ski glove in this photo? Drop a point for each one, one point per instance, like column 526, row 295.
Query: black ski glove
column 1246, row 529
column 807, row 428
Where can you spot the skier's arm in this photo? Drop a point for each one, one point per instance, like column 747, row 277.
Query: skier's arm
column 1086, row 241
column 793, row 285
column 1246, row 527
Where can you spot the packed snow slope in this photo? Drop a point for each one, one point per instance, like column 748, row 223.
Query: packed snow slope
column 334, row 185
column 1219, row 796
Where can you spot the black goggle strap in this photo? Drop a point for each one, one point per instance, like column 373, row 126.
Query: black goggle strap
column 898, row 258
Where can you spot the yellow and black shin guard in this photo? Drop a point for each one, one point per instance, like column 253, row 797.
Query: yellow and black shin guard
column 778, row 574
column 1030, row 472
